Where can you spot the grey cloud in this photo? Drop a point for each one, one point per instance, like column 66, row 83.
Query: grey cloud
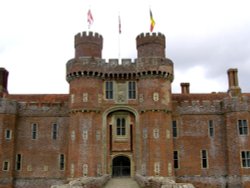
column 215, row 54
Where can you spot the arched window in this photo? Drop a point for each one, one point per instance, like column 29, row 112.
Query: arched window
column 121, row 126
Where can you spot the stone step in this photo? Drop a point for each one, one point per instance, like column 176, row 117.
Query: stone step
column 121, row 183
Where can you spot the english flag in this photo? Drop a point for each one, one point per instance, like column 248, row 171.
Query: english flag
column 90, row 18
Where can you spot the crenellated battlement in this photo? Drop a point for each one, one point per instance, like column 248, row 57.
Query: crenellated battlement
column 88, row 44
column 199, row 107
column 90, row 34
column 143, row 67
column 236, row 104
column 150, row 37
column 8, row 106
column 95, row 37
column 212, row 106
column 42, row 108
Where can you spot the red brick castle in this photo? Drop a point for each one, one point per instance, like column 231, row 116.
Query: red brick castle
column 124, row 120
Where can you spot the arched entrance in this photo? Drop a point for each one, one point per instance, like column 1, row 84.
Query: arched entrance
column 121, row 166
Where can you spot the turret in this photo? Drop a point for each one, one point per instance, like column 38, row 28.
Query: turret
column 150, row 45
column 88, row 45
column 3, row 81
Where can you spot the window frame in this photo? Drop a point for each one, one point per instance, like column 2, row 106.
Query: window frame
column 34, row 131
column 55, row 131
column 4, row 165
column 245, row 164
column 109, row 90
column 243, row 127
column 132, row 90
column 62, row 162
column 8, row 134
column 121, row 126
column 211, row 131
column 175, row 129
column 204, row 159
column 157, row 168
column 18, row 166
column 176, row 159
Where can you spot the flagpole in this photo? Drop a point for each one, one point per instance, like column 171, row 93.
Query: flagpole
column 119, row 40
column 88, row 19
column 119, row 48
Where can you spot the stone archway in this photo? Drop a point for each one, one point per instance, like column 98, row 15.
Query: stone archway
column 121, row 166
column 110, row 153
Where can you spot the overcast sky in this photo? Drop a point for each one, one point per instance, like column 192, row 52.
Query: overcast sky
column 204, row 38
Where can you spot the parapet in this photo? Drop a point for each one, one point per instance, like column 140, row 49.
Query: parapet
column 150, row 45
column 199, row 107
column 39, row 108
column 91, row 36
column 88, row 44
column 143, row 38
column 97, row 67
column 8, row 106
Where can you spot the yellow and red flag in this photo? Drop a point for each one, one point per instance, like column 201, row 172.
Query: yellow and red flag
column 152, row 22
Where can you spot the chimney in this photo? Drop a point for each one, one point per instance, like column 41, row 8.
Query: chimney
column 185, row 88
column 3, row 81
column 234, row 89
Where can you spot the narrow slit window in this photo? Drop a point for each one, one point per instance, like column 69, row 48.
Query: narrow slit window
column 211, row 128
column 5, row 166
column 54, row 131
column 18, row 161
column 34, row 131
column 204, row 159
column 62, row 162
column 175, row 129
column 176, row 159
column 8, row 134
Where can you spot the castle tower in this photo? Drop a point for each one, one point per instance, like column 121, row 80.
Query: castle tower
column 150, row 45
column 88, row 45
column 85, row 118
column 154, row 90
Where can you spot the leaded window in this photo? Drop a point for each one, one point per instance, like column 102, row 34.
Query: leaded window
column 109, row 90
column 121, row 126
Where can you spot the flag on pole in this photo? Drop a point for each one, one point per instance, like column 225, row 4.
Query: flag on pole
column 152, row 22
column 120, row 27
column 90, row 18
